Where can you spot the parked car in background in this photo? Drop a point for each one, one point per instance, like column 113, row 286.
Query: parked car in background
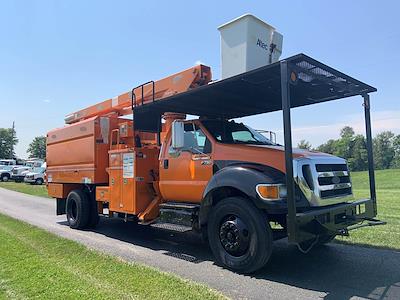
column 20, row 172
column 8, row 162
column 36, row 176
column 6, row 172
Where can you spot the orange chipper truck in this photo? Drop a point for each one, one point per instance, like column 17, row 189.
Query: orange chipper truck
column 213, row 175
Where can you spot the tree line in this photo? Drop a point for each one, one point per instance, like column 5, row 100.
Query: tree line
column 353, row 148
column 8, row 141
column 350, row 146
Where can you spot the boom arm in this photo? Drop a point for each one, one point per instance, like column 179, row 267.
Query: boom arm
column 163, row 88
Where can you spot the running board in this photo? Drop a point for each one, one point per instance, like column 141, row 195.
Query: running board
column 178, row 213
column 171, row 227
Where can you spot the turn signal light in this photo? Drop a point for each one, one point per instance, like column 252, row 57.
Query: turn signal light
column 268, row 192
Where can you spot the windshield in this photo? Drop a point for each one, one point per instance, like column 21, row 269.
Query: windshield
column 230, row 132
column 39, row 170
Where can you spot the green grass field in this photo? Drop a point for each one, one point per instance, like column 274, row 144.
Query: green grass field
column 388, row 195
column 36, row 190
column 38, row 264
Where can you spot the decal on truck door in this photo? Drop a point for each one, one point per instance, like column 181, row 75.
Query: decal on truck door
column 128, row 165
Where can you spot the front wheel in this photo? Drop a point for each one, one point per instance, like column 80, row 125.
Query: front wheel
column 39, row 181
column 239, row 235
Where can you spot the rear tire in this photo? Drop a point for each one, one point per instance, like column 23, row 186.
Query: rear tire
column 239, row 235
column 78, row 209
column 5, row 177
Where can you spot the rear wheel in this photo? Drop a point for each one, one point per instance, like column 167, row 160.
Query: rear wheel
column 5, row 177
column 78, row 209
column 239, row 235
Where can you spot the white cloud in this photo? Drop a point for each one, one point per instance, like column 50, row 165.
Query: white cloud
column 46, row 100
column 198, row 62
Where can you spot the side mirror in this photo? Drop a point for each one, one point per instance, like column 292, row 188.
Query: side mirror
column 178, row 133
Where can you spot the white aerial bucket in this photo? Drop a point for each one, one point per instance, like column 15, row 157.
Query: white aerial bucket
column 248, row 43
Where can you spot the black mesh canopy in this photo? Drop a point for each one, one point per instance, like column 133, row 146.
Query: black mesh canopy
column 255, row 92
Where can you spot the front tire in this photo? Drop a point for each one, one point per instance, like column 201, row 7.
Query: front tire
column 77, row 209
column 239, row 235
column 39, row 181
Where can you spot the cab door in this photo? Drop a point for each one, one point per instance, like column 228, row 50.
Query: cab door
column 184, row 174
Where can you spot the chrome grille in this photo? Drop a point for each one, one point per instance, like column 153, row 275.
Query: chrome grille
column 324, row 180
column 333, row 180
column 331, row 167
column 336, row 192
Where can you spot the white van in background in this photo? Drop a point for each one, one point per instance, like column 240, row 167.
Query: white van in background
column 8, row 162
column 36, row 176
column 6, row 172
column 20, row 172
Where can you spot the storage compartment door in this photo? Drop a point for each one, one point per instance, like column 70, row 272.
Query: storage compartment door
column 128, row 182
column 115, row 172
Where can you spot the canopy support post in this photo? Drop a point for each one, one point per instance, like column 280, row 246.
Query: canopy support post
column 291, row 203
column 368, row 134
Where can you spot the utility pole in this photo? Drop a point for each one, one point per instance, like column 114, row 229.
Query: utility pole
column 12, row 140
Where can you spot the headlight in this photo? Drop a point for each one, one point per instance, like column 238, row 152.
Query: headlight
column 268, row 191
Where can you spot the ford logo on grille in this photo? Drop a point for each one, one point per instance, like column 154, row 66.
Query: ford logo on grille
column 335, row 180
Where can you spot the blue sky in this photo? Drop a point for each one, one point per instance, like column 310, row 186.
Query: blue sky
column 59, row 56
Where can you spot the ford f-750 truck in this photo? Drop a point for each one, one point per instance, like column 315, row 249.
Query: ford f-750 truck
column 213, row 175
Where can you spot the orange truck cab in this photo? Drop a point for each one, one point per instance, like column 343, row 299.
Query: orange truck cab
column 212, row 175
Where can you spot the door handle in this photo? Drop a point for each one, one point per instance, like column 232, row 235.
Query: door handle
column 201, row 157
column 165, row 163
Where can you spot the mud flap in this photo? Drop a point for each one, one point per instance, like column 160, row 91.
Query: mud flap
column 60, row 206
